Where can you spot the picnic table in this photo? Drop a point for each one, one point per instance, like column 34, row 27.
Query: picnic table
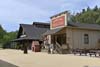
column 94, row 52
column 85, row 52
column 80, row 51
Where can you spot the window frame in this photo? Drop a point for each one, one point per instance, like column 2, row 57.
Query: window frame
column 86, row 38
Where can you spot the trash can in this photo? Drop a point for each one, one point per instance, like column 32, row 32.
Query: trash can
column 36, row 46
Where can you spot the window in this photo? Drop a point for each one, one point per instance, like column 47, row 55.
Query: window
column 86, row 39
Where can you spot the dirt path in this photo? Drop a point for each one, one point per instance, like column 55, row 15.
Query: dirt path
column 41, row 59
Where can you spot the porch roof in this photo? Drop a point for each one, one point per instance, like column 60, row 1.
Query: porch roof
column 24, row 39
column 53, row 31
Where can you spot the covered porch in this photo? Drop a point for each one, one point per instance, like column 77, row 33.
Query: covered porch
column 58, row 37
column 28, row 44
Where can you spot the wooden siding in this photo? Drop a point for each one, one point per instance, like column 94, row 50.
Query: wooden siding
column 75, row 38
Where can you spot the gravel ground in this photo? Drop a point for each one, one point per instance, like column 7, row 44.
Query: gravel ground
column 41, row 59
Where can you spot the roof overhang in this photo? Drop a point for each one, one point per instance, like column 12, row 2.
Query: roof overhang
column 24, row 39
column 53, row 31
column 83, row 28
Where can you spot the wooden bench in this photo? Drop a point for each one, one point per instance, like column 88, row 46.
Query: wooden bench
column 93, row 52
column 80, row 51
column 98, row 52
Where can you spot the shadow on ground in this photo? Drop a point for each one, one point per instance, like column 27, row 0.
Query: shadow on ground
column 6, row 64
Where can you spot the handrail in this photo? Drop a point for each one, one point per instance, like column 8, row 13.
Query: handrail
column 58, row 47
column 58, row 44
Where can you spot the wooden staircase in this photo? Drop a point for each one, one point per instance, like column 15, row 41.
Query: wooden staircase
column 58, row 48
column 61, row 49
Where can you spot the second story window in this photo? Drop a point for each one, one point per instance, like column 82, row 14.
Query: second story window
column 86, row 39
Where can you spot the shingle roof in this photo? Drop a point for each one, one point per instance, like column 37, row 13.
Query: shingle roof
column 76, row 25
column 41, row 23
column 32, row 32
column 53, row 31
column 35, row 33
column 85, row 26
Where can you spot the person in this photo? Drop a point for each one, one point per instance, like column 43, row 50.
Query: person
column 51, row 48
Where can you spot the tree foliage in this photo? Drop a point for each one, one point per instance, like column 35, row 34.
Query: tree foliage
column 2, row 33
column 87, row 16
column 6, row 37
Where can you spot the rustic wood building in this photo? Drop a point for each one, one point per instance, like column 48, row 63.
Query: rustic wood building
column 67, row 35
column 30, row 36
column 63, row 34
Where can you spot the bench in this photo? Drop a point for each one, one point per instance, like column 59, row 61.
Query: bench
column 80, row 51
column 94, row 52
column 98, row 52
column 91, row 52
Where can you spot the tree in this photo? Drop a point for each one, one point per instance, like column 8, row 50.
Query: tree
column 98, row 21
column 95, row 8
column 6, row 37
column 88, row 9
column 83, row 10
column 89, row 16
column 2, row 33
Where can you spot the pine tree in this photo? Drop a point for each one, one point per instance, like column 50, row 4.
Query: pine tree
column 95, row 8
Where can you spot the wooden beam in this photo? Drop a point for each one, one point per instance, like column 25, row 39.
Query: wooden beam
column 25, row 48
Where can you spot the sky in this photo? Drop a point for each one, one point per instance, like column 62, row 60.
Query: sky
column 15, row 12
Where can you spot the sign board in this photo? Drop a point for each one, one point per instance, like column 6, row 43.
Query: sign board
column 59, row 21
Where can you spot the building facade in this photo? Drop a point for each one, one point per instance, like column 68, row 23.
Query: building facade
column 63, row 34
column 30, row 35
column 67, row 35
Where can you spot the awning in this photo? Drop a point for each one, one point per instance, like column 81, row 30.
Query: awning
column 53, row 31
column 19, row 39
column 24, row 39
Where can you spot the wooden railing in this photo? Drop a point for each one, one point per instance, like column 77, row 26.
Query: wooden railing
column 58, row 48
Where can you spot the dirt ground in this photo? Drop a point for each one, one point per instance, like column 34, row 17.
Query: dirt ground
column 42, row 59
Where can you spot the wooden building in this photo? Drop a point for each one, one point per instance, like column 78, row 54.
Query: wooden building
column 30, row 36
column 65, row 35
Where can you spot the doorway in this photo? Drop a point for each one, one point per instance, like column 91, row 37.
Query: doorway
column 59, row 38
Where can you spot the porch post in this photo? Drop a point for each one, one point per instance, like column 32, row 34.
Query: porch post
column 25, row 48
column 55, row 38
